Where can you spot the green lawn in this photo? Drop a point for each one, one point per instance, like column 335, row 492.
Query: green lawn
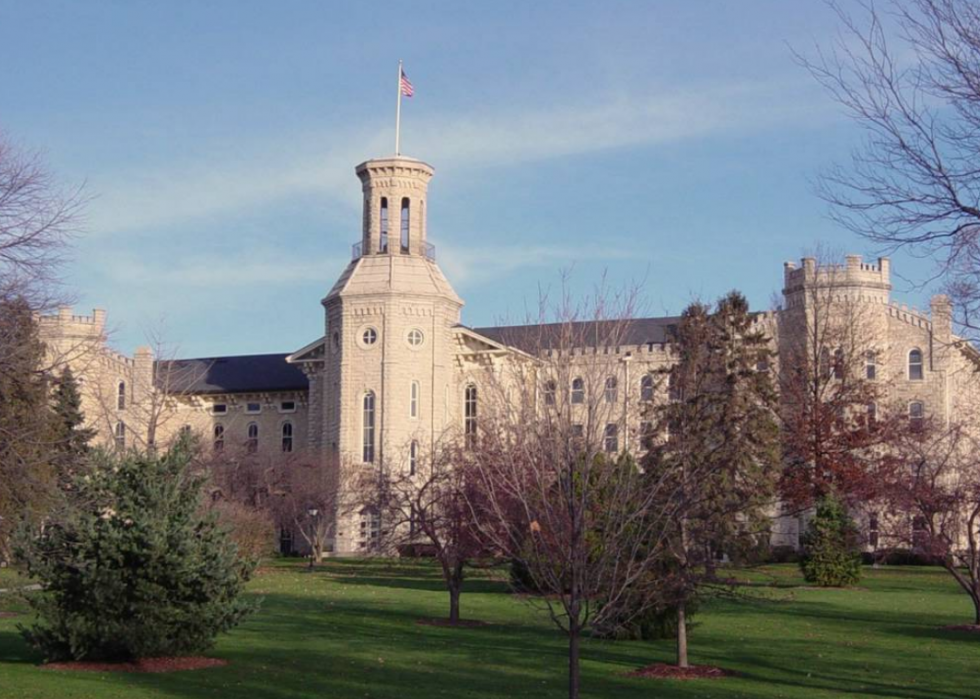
column 349, row 631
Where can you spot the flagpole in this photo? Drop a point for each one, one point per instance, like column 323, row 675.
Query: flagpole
column 398, row 113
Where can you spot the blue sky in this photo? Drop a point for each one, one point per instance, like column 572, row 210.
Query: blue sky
column 668, row 142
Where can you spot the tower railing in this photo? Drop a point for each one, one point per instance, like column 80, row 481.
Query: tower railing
column 357, row 251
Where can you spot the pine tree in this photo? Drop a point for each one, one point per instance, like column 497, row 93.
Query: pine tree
column 71, row 436
column 135, row 567
column 831, row 555
column 27, row 482
column 720, row 424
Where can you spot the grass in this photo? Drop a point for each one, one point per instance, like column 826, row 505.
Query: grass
column 349, row 631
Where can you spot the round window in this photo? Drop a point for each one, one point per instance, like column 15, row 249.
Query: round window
column 415, row 337
column 370, row 336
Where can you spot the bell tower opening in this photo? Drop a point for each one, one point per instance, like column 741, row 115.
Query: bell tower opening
column 393, row 185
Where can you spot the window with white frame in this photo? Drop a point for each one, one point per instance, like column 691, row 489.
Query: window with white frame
column 578, row 391
column 405, row 224
column 120, row 435
column 287, row 437
column 917, row 415
column 470, row 415
column 367, row 428
column 370, row 533
column 415, row 337
column 915, row 365
column 413, row 458
column 550, row 388
column 646, row 388
column 287, row 406
column 612, row 389
column 252, row 438
column 413, row 399
column 219, row 409
column 121, row 396
column 253, row 408
column 219, row 437
column 612, row 438
column 870, row 366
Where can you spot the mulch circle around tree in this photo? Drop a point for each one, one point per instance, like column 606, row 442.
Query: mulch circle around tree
column 672, row 672
column 462, row 623
column 971, row 628
column 147, row 665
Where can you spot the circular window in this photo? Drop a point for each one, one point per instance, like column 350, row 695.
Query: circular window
column 415, row 337
column 369, row 336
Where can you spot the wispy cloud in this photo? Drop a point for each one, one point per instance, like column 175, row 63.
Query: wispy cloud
column 179, row 192
column 264, row 267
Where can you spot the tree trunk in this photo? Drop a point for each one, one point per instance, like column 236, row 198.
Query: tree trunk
column 682, row 636
column 976, row 607
column 573, row 665
column 454, row 603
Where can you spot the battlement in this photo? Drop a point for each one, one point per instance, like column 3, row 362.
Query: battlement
column 65, row 317
column 853, row 273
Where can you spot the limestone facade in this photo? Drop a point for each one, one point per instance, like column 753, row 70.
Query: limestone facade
column 393, row 369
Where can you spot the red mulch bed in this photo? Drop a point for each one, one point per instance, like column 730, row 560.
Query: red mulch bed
column 972, row 628
column 672, row 672
column 145, row 665
column 462, row 623
column 8, row 615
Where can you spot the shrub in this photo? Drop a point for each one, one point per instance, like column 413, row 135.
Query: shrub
column 831, row 556
column 783, row 554
column 134, row 567
column 251, row 529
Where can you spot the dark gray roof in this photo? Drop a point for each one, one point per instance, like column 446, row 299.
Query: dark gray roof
column 532, row 338
column 246, row 374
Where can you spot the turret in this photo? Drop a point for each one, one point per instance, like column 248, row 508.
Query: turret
column 394, row 206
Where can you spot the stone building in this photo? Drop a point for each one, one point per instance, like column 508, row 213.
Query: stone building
column 395, row 368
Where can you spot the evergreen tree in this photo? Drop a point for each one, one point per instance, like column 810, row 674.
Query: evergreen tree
column 719, row 423
column 135, row 567
column 831, row 553
column 71, row 436
column 26, row 424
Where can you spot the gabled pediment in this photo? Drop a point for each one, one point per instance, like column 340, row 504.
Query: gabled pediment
column 313, row 352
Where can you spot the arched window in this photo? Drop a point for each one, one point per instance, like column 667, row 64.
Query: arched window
column 578, row 391
column 367, row 430
column 915, row 365
column 384, row 224
column 252, row 441
column 612, row 438
column 673, row 389
column 839, row 364
column 413, row 400
column 121, row 396
column 917, row 416
column 872, row 415
column 287, row 437
column 405, row 219
column 470, row 416
column 870, row 366
column 219, row 437
column 612, row 386
column 824, row 366
column 413, row 458
column 646, row 388
column 120, row 435
column 549, row 392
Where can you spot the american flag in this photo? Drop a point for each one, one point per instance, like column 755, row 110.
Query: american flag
column 407, row 88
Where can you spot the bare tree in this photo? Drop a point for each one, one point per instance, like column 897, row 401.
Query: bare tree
column 933, row 490
column 36, row 222
column 910, row 77
column 557, row 493
column 431, row 506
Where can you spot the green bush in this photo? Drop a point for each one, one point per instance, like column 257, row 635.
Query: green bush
column 831, row 554
column 134, row 567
